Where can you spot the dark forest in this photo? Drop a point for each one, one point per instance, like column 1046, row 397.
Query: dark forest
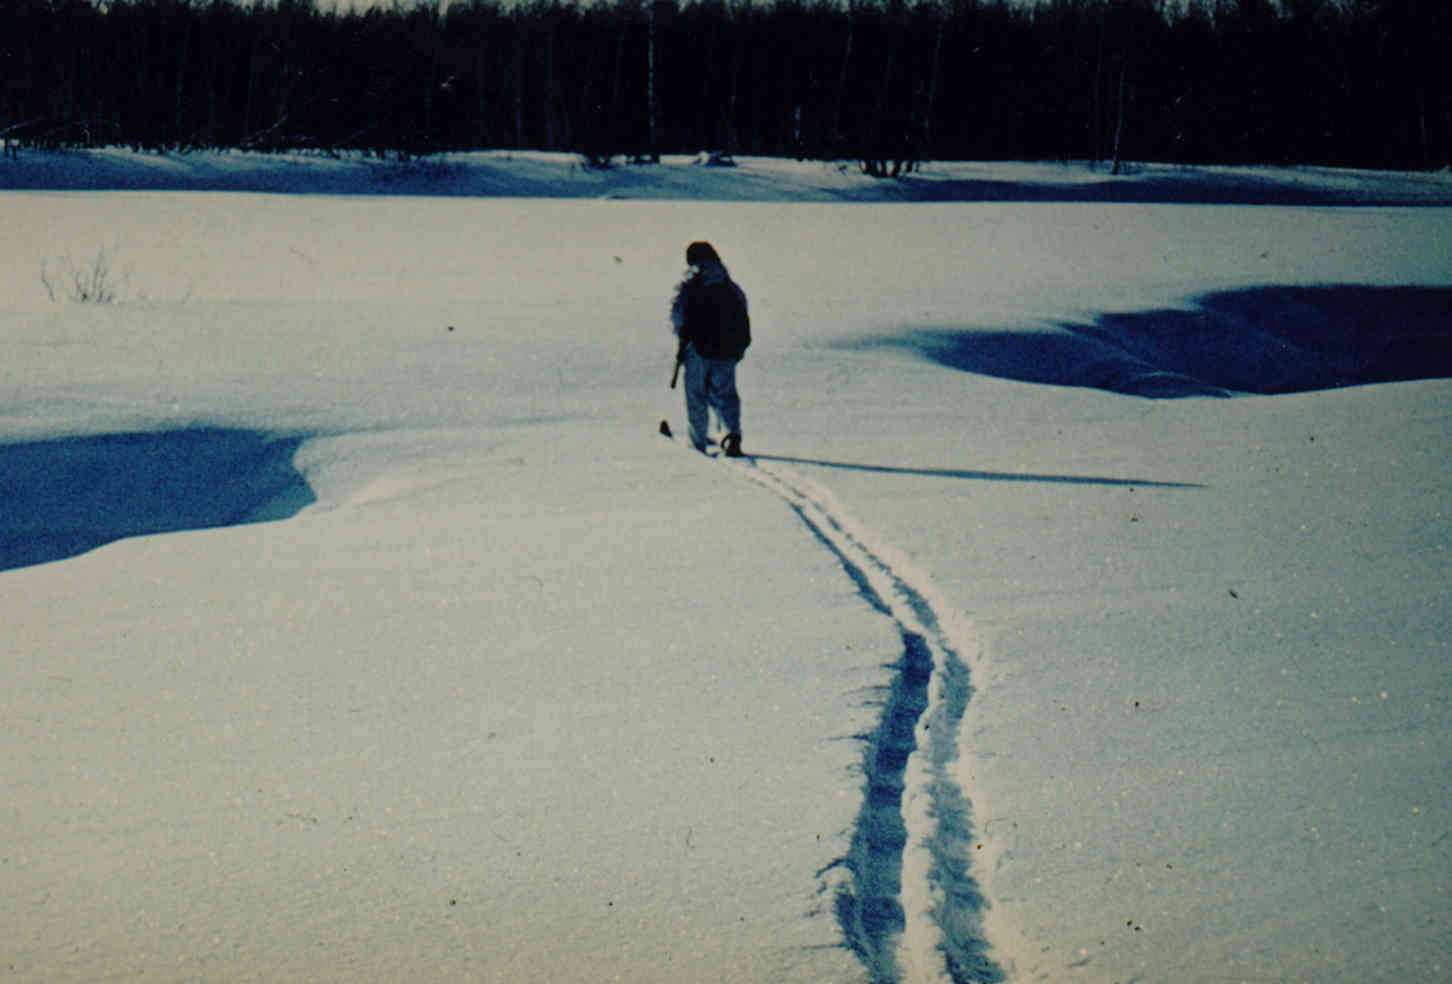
column 884, row 82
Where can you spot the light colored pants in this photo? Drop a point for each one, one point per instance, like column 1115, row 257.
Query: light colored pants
column 711, row 385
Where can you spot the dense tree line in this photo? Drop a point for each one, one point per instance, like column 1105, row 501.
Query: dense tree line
column 886, row 82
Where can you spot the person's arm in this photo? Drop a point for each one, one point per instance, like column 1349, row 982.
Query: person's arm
column 678, row 310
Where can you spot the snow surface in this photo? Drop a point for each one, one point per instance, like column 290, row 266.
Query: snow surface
column 358, row 624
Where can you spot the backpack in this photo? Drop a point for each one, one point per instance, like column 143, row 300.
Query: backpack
column 716, row 320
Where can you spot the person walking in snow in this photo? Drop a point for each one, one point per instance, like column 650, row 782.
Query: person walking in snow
column 713, row 329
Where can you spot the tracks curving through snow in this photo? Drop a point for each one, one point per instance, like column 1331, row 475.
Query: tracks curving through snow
column 909, row 907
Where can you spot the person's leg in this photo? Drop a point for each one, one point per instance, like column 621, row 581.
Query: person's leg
column 697, row 398
column 723, row 395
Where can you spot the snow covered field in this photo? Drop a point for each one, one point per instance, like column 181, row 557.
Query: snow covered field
column 357, row 624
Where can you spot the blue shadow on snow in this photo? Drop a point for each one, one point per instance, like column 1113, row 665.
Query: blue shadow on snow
column 969, row 474
column 1259, row 340
column 66, row 496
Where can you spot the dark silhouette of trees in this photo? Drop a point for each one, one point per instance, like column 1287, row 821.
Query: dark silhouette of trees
column 887, row 83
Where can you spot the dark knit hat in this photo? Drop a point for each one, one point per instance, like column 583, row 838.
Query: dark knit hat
column 700, row 253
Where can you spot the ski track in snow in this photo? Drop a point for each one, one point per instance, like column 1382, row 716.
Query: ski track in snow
column 910, row 909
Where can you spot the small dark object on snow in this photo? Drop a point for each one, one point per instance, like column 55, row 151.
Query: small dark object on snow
column 665, row 429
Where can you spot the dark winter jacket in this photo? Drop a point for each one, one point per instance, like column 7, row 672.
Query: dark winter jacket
column 709, row 313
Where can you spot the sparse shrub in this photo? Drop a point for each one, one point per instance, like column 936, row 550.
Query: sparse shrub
column 92, row 283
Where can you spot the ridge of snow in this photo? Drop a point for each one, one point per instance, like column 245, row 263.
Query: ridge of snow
column 68, row 495
column 553, row 174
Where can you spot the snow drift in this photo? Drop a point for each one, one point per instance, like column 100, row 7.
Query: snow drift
column 1267, row 340
column 66, row 496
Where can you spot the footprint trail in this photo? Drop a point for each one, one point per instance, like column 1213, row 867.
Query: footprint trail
column 909, row 907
